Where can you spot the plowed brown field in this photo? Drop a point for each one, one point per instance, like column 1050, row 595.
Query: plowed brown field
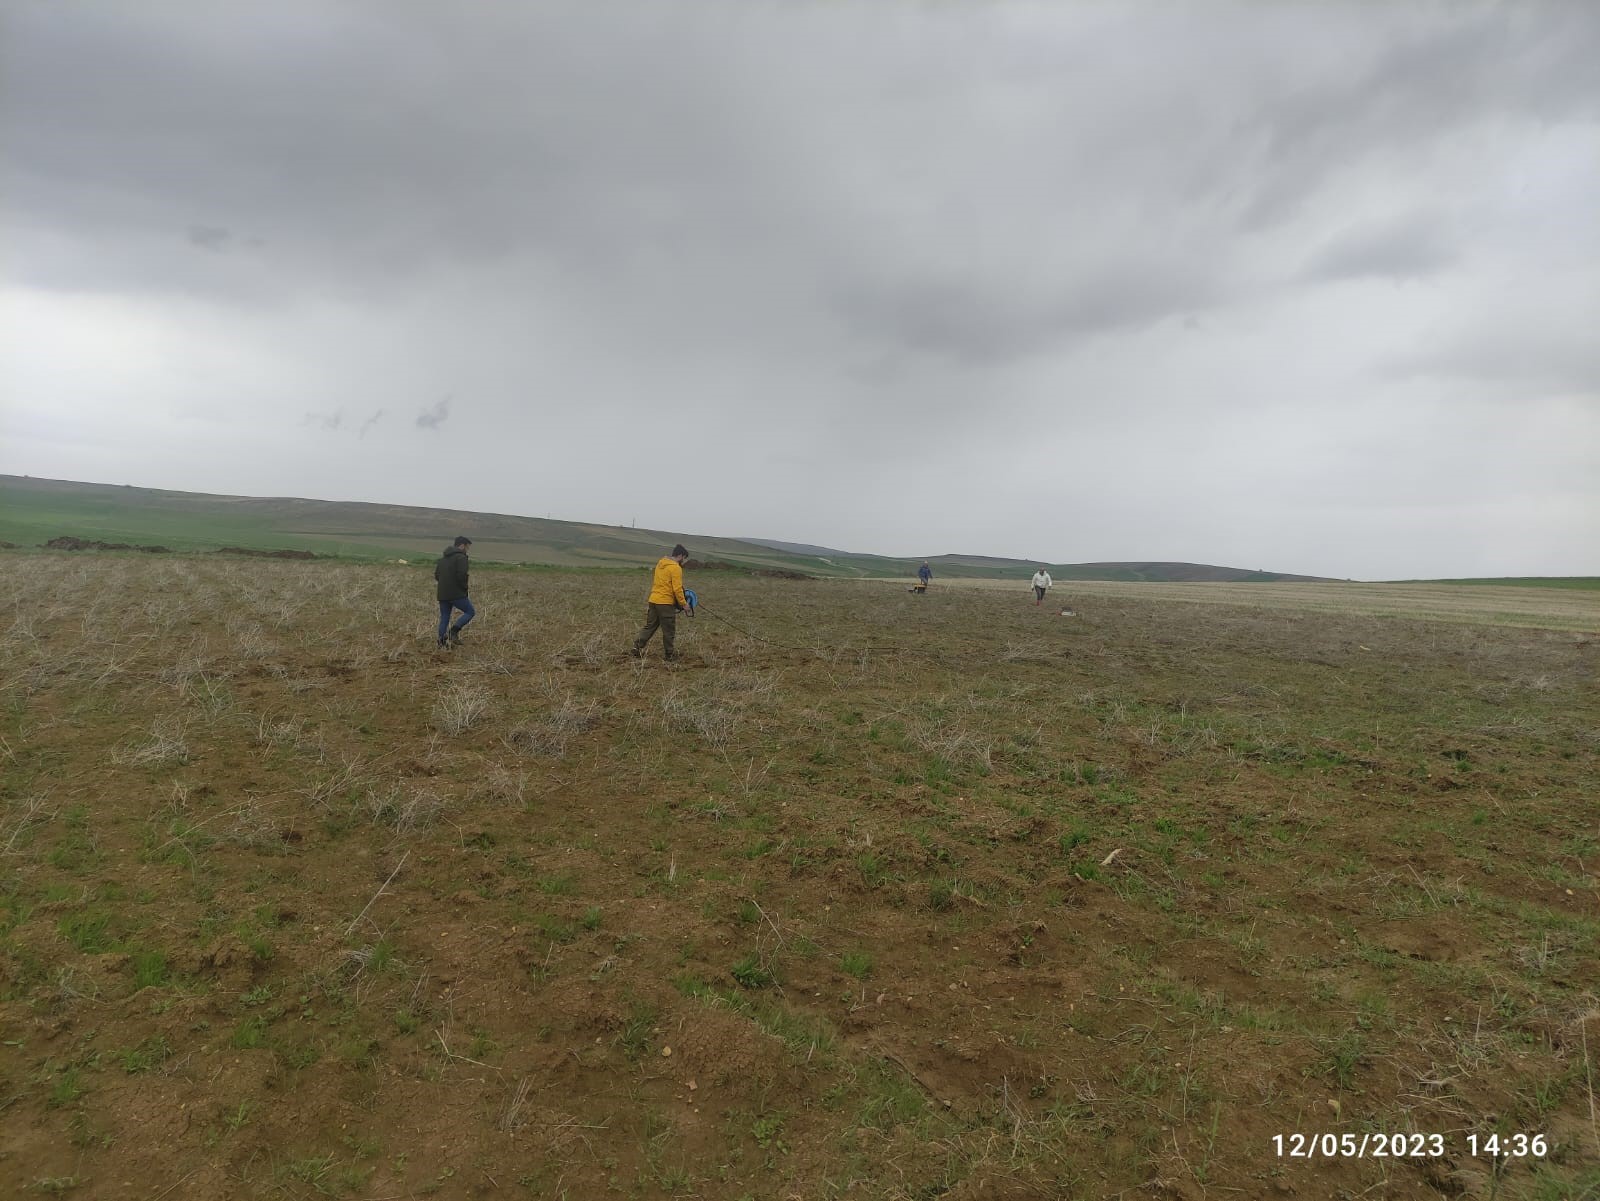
column 871, row 895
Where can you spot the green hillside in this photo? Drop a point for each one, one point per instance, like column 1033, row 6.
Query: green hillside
column 1584, row 582
column 34, row 511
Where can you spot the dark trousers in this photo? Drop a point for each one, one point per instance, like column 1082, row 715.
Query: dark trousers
column 467, row 611
column 1038, row 594
column 666, row 618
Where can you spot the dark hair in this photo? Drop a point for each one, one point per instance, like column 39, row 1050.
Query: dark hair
column 463, row 541
column 679, row 550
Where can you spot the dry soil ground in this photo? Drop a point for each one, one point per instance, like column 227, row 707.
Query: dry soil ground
column 872, row 895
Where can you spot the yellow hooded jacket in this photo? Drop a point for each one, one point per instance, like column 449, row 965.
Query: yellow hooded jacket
column 667, row 587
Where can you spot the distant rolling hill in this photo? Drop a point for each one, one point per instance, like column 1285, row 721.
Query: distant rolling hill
column 797, row 548
column 34, row 511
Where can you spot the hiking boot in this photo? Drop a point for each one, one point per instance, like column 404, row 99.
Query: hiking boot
column 455, row 636
column 635, row 653
column 443, row 645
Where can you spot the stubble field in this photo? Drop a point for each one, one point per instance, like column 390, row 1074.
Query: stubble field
column 872, row 895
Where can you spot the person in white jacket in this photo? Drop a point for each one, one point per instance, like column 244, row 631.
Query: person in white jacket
column 1041, row 581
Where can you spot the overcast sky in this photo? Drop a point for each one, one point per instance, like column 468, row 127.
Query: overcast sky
column 1310, row 287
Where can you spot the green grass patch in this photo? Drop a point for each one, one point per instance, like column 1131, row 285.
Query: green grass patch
column 93, row 931
column 752, row 972
column 856, row 963
column 150, row 970
column 147, row 1056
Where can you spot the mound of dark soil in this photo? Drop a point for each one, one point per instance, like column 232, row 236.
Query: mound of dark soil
column 68, row 542
column 770, row 573
column 266, row 554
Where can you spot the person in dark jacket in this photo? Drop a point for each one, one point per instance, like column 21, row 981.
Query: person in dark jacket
column 451, row 573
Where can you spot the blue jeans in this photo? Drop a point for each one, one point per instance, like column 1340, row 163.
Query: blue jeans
column 445, row 607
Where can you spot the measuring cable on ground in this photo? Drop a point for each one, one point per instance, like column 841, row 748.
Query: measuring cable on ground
column 806, row 650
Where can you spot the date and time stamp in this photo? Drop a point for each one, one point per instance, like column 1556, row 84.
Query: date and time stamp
column 1409, row 1146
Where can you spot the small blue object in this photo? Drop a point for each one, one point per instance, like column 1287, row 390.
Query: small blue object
column 688, row 595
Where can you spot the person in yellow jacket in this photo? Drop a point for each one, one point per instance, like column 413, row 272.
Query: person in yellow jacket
column 665, row 603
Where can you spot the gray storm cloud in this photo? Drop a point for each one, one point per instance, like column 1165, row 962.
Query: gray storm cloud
column 1013, row 247
column 433, row 418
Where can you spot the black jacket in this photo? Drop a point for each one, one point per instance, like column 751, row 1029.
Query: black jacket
column 451, row 572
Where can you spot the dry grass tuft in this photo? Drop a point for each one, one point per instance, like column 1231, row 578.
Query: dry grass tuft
column 462, row 705
column 165, row 746
column 550, row 735
column 405, row 810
